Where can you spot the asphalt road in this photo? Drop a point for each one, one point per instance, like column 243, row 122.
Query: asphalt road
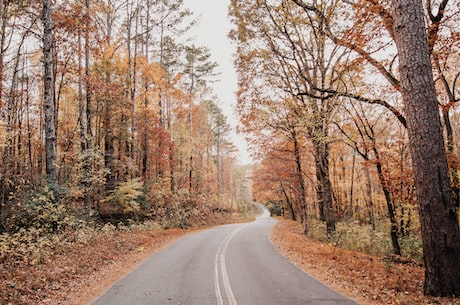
column 227, row 265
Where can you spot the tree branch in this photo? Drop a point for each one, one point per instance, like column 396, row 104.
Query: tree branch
column 333, row 93
column 433, row 28
column 349, row 45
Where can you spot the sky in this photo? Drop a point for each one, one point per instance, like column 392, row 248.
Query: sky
column 211, row 32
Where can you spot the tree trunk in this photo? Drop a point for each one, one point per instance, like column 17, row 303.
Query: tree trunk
column 48, row 103
column 290, row 205
column 455, row 173
column 89, row 132
column 3, row 25
column 324, row 191
column 369, row 199
column 109, row 149
column 438, row 213
column 220, row 175
column 390, row 205
column 352, row 185
column 81, row 105
column 301, row 182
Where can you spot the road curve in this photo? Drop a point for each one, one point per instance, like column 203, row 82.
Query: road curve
column 227, row 265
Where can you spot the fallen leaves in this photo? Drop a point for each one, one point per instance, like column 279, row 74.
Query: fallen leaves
column 370, row 280
column 77, row 271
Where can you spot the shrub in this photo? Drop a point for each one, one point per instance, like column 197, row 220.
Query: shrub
column 354, row 236
column 44, row 212
column 125, row 199
column 411, row 246
column 365, row 239
column 274, row 208
column 179, row 211
column 90, row 179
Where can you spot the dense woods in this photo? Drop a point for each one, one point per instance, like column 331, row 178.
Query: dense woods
column 107, row 114
column 347, row 104
column 108, row 122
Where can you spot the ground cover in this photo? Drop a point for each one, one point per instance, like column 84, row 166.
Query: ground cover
column 79, row 271
column 370, row 280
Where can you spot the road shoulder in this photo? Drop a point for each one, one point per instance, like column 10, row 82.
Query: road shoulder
column 370, row 280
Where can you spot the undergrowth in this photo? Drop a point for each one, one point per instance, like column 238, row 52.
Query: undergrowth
column 47, row 224
column 36, row 268
column 366, row 239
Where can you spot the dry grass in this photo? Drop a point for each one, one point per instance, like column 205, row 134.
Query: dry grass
column 370, row 280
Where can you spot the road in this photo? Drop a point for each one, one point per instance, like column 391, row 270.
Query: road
column 227, row 265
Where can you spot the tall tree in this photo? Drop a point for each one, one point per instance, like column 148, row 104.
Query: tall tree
column 438, row 212
column 293, row 57
column 48, row 102
column 199, row 68
column 88, row 27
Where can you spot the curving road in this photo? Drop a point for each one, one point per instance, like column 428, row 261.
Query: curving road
column 227, row 265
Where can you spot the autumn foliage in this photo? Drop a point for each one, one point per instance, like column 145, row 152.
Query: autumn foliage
column 133, row 124
column 325, row 100
column 107, row 119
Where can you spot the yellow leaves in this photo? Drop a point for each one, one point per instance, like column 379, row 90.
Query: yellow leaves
column 152, row 73
column 110, row 60
column 126, row 197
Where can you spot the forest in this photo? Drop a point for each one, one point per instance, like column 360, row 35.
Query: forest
column 107, row 118
column 109, row 124
column 106, row 107
column 356, row 122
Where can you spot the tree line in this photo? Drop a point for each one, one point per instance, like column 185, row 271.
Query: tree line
column 351, row 108
column 106, row 107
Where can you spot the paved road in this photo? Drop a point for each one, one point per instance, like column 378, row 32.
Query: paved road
column 227, row 265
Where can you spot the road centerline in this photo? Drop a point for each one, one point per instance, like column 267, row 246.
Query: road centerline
column 221, row 268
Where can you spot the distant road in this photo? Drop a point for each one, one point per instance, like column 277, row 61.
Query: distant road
column 227, row 265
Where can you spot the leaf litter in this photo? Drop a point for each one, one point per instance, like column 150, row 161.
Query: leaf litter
column 80, row 272
column 370, row 280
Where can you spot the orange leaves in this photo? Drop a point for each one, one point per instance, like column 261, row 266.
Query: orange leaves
column 152, row 72
column 70, row 18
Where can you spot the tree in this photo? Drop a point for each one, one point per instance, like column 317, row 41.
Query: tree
column 198, row 68
column 291, row 57
column 48, row 95
column 219, row 130
column 438, row 212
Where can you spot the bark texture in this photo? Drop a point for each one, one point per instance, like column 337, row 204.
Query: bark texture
column 438, row 213
column 324, row 187
column 48, row 103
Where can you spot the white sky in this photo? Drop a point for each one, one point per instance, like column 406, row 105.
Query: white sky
column 212, row 32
